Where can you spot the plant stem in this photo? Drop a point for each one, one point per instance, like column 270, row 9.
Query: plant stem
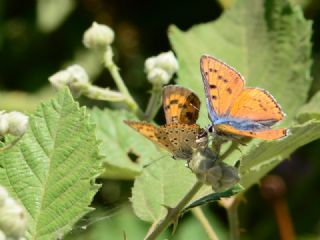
column 198, row 213
column 114, row 71
column 173, row 213
column 233, row 218
column 154, row 102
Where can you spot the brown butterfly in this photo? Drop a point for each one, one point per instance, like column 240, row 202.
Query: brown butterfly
column 181, row 136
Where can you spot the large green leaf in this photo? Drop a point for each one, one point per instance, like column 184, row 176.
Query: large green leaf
column 310, row 110
column 51, row 170
column 268, row 42
column 260, row 159
column 125, row 151
column 163, row 183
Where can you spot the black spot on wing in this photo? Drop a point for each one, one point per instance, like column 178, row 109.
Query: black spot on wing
column 174, row 101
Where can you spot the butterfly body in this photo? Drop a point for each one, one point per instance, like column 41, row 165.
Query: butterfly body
column 180, row 134
column 235, row 110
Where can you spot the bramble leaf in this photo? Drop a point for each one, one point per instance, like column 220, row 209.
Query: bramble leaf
column 125, row 151
column 268, row 42
column 51, row 170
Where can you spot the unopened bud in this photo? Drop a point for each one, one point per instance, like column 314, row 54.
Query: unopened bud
column 161, row 68
column 158, row 76
column 4, row 124
column 73, row 75
column 2, row 235
column 3, row 195
column 13, row 219
column 18, row 123
column 98, row 36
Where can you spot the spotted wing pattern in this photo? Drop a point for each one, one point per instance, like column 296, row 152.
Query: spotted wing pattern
column 182, row 139
column 178, row 139
column 257, row 105
column 180, row 104
column 222, row 85
column 235, row 110
column 146, row 129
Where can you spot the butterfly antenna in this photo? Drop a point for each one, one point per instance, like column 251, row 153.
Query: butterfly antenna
column 195, row 107
column 153, row 161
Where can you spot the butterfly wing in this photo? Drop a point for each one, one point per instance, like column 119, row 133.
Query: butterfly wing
column 222, row 86
column 146, row 129
column 256, row 105
column 267, row 134
column 178, row 139
column 183, row 139
column 180, row 104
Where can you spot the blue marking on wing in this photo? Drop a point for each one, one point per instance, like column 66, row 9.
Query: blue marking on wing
column 212, row 114
column 241, row 124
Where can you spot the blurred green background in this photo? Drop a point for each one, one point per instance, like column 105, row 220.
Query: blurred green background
column 37, row 38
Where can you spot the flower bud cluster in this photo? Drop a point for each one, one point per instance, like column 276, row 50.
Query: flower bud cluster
column 213, row 172
column 72, row 76
column 14, row 123
column 13, row 218
column 161, row 68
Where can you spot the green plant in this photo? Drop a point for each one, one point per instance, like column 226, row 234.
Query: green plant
column 52, row 169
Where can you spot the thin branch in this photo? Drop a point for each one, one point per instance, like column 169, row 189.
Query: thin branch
column 173, row 213
column 198, row 213
column 154, row 102
column 114, row 71
column 233, row 218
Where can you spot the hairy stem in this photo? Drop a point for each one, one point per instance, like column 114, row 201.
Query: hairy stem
column 173, row 213
column 198, row 213
column 154, row 102
column 114, row 71
column 233, row 218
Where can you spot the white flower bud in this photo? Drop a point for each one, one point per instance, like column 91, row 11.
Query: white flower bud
column 2, row 235
column 3, row 195
column 168, row 62
column 74, row 74
column 60, row 79
column 4, row 124
column 158, row 76
column 13, row 219
column 161, row 68
column 78, row 74
column 18, row 123
column 98, row 36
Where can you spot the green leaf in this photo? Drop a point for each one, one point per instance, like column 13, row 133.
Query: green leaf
column 268, row 42
column 119, row 142
column 214, row 197
column 52, row 169
column 191, row 228
column 104, row 224
column 261, row 158
column 310, row 110
column 163, row 183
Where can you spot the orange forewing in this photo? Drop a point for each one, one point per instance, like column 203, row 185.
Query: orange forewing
column 180, row 105
column 222, row 83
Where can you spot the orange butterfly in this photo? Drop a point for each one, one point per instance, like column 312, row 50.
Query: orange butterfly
column 180, row 136
column 234, row 110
